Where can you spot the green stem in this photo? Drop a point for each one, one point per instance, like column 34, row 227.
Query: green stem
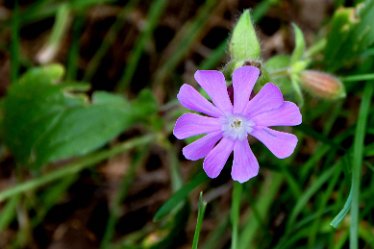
column 358, row 146
column 261, row 9
column 183, row 41
column 74, row 167
column 267, row 195
column 15, row 44
column 8, row 212
column 279, row 73
column 62, row 22
column 340, row 216
column 72, row 58
column 316, row 48
column 213, row 59
column 108, row 40
column 154, row 14
column 235, row 213
column 200, row 216
column 360, row 77
column 297, row 89
column 173, row 162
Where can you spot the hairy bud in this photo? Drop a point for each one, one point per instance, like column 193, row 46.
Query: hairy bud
column 322, row 85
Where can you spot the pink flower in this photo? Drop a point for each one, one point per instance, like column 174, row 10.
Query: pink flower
column 228, row 125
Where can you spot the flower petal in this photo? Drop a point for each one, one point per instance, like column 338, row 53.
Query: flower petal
column 281, row 144
column 213, row 82
column 243, row 80
column 191, row 124
column 192, row 99
column 245, row 165
column 286, row 115
column 202, row 146
column 216, row 158
column 268, row 98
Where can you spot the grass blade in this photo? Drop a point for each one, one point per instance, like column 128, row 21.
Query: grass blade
column 340, row 216
column 358, row 149
column 154, row 14
column 179, row 196
column 74, row 167
column 15, row 44
column 235, row 213
column 200, row 216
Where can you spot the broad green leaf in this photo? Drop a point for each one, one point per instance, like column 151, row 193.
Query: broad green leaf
column 50, row 74
column 299, row 49
column 144, row 105
column 244, row 44
column 351, row 33
column 45, row 121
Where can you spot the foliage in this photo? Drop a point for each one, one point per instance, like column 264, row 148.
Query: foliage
column 46, row 120
column 89, row 152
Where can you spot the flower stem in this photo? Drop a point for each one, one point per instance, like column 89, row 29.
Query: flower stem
column 74, row 167
column 358, row 146
column 359, row 77
column 316, row 48
column 235, row 213
column 15, row 44
column 279, row 73
column 200, row 217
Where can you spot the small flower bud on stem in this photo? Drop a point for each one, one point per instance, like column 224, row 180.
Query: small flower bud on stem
column 322, row 85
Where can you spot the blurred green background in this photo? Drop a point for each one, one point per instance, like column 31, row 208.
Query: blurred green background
column 88, row 102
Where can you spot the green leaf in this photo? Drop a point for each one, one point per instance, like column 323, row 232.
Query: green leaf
column 357, row 159
column 351, row 33
column 144, row 105
column 343, row 212
column 8, row 212
column 179, row 196
column 299, row 49
column 235, row 213
column 278, row 62
column 200, row 216
column 45, row 121
column 278, row 71
column 244, row 44
column 48, row 74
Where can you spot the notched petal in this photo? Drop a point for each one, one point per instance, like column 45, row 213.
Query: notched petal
column 268, row 98
column 193, row 100
column 216, row 158
column 213, row 82
column 191, row 124
column 243, row 80
column 202, row 146
column 245, row 165
column 288, row 114
column 281, row 144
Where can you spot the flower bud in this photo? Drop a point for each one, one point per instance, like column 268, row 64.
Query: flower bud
column 322, row 85
column 244, row 44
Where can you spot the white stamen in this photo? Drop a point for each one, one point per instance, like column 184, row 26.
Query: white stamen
column 236, row 127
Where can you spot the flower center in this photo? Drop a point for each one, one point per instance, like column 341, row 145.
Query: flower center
column 236, row 127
